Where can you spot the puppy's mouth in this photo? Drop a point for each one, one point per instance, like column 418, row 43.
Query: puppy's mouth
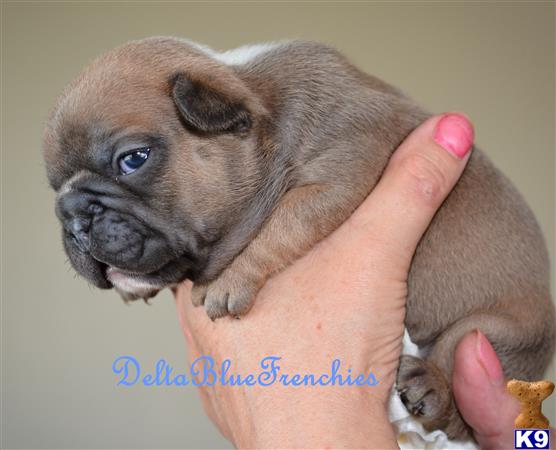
column 118, row 249
column 132, row 286
column 130, row 282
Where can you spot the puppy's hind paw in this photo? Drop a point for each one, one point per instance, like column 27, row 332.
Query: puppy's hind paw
column 423, row 390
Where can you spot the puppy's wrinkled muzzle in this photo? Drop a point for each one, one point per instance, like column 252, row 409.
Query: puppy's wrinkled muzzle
column 121, row 241
column 116, row 240
column 78, row 228
column 97, row 236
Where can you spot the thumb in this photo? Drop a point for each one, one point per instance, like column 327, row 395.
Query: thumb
column 417, row 179
column 480, row 392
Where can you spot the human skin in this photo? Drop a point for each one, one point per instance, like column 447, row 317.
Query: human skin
column 481, row 395
column 338, row 301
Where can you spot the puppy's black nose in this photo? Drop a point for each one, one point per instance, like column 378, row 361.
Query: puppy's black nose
column 78, row 227
column 76, row 211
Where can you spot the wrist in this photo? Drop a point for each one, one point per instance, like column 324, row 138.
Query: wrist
column 313, row 416
column 317, row 417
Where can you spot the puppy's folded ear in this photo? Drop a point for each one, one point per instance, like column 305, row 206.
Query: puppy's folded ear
column 207, row 110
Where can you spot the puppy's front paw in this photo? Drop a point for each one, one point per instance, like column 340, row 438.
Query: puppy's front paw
column 229, row 294
column 424, row 391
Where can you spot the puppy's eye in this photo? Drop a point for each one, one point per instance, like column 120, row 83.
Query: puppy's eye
column 131, row 161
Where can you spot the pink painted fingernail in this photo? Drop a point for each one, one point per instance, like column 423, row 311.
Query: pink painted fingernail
column 455, row 134
column 488, row 359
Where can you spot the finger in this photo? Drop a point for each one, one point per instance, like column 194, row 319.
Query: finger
column 184, row 307
column 211, row 410
column 480, row 392
column 419, row 176
column 198, row 329
column 193, row 321
column 180, row 298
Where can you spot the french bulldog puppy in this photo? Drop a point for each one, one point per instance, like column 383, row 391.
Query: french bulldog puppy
column 171, row 161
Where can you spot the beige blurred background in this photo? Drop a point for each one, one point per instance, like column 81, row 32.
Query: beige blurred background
column 494, row 61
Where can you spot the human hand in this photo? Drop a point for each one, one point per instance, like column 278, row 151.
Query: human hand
column 480, row 391
column 345, row 299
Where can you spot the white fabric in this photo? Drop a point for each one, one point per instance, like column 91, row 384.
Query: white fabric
column 410, row 433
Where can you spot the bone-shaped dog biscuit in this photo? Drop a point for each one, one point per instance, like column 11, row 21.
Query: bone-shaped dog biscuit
column 530, row 396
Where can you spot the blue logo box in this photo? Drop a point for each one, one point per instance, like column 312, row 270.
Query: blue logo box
column 531, row 438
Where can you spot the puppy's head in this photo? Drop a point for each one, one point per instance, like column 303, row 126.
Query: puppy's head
column 154, row 151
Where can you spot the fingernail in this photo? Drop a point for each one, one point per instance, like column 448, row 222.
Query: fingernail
column 455, row 134
column 488, row 359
